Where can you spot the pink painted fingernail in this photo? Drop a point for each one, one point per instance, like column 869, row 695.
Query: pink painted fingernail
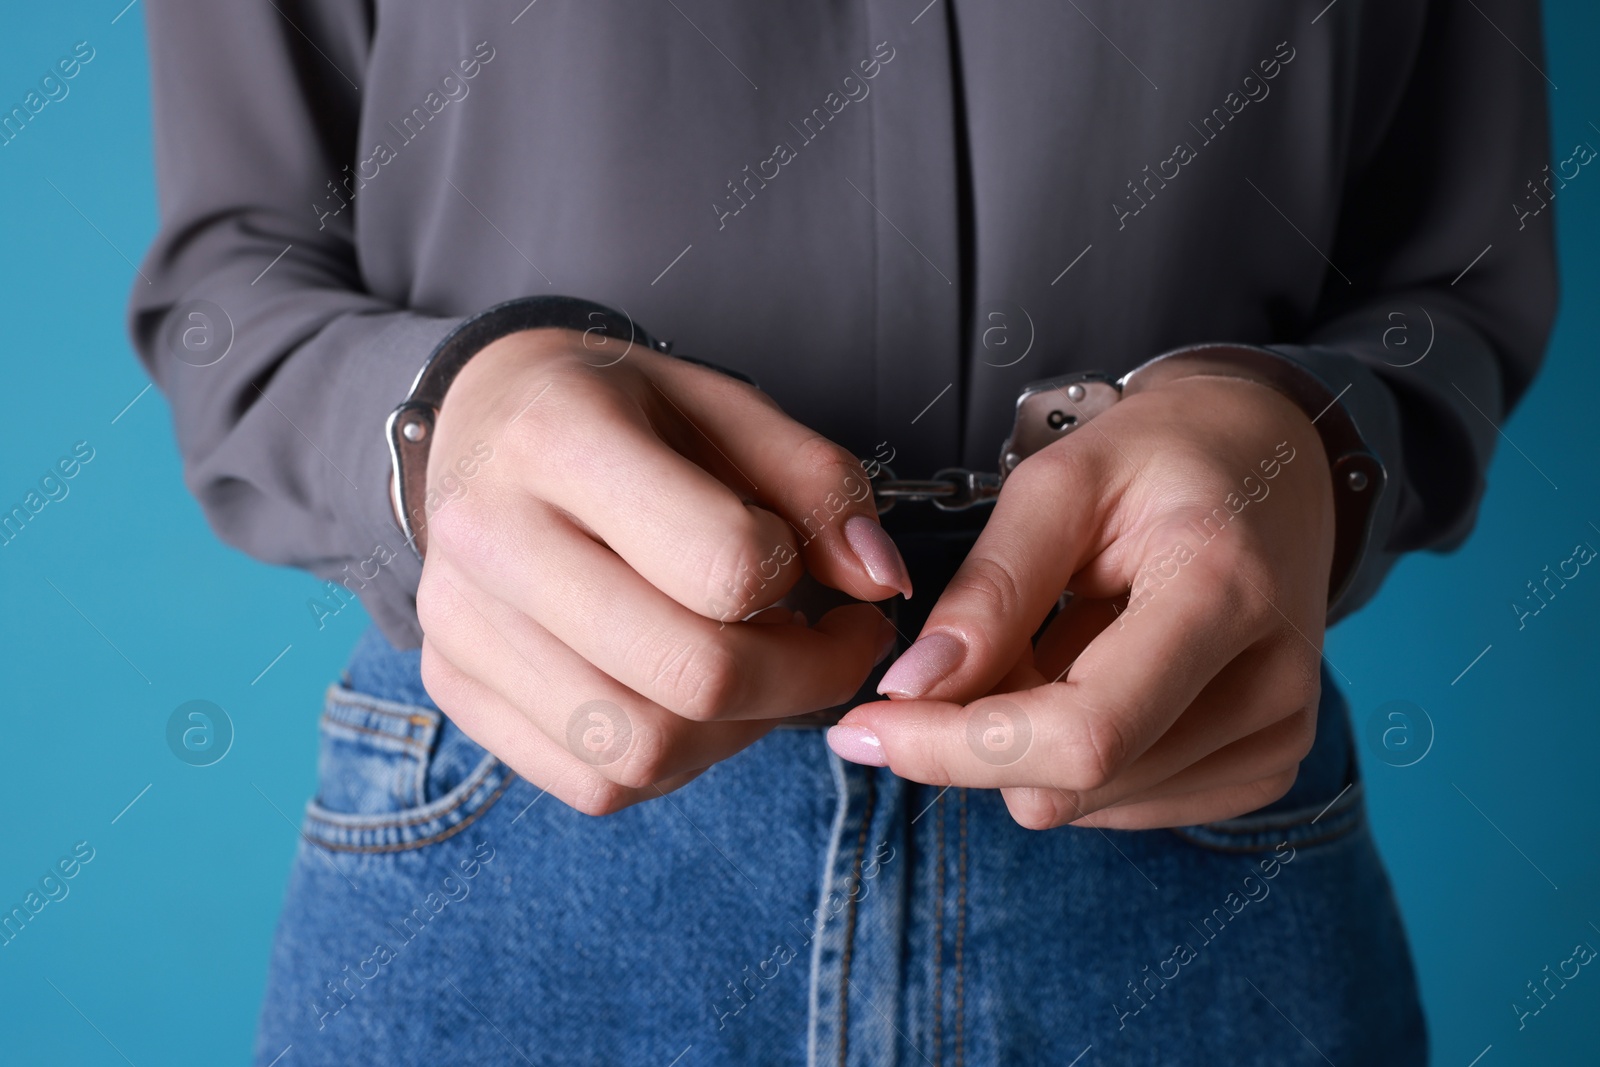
column 926, row 663
column 877, row 554
column 858, row 745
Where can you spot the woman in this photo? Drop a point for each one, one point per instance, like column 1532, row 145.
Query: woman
column 1281, row 231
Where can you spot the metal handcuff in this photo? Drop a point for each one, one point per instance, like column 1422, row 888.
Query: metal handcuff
column 1049, row 410
column 1046, row 412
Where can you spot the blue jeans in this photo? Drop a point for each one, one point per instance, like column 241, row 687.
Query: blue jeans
column 788, row 908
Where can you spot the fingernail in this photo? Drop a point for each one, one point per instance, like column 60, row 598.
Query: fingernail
column 886, row 642
column 926, row 663
column 877, row 554
column 858, row 745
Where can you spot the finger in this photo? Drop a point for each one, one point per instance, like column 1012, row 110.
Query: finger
column 1125, row 690
column 1006, row 585
column 611, row 616
column 1260, row 706
column 1191, row 809
column 483, row 716
column 1270, row 751
column 819, row 487
column 600, row 460
column 625, row 737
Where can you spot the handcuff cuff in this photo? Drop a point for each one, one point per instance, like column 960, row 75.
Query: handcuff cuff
column 1049, row 410
column 1046, row 412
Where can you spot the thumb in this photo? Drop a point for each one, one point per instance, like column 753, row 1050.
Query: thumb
column 1039, row 535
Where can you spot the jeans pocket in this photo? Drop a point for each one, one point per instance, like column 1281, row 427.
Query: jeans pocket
column 394, row 776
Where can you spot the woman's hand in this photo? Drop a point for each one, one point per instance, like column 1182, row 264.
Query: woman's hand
column 583, row 588
column 1193, row 699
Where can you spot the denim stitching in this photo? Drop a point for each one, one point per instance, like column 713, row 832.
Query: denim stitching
column 329, row 722
column 1287, row 819
column 405, row 846
column 465, row 791
column 850, row 922
column 961, row 929
column 1345, row 816
column 938, row 936
column 338, row 694
column 1339, row 831
column 836, row 827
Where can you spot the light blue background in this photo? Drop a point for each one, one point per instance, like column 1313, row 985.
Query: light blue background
column 161, row 946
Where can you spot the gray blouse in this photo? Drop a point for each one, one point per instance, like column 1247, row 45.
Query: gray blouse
column 891, row 214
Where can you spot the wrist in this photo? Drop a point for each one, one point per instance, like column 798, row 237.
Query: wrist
column 411, row 426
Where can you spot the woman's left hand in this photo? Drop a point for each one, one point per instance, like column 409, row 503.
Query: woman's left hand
column 1193, row 699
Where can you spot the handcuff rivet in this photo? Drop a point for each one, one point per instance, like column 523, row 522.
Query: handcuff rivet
column 1357, row 480
column 1075, row 392
column 1012, row 459
column 414, row 431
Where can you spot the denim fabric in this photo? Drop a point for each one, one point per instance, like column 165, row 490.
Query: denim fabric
column 788, row 908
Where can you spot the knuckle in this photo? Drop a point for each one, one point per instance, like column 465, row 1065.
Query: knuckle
column 1032, row 809
column 647, row 761
column 530, row 432
column 460, row 532
column 439, row 677
column 1092, row 758
column 824, row 460
column 439, row 604
column 988, row 586
column 1305, row 689
column 1273, row 789
column 1303, row 735
column 598, row 796
column 734, row 575
column 699, row 681
column 568, row 428
column 1047, row 470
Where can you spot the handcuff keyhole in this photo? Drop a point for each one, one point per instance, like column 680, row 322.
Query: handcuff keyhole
column 1060, row 420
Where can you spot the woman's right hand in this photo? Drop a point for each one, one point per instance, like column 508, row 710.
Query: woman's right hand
column 583, row 590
